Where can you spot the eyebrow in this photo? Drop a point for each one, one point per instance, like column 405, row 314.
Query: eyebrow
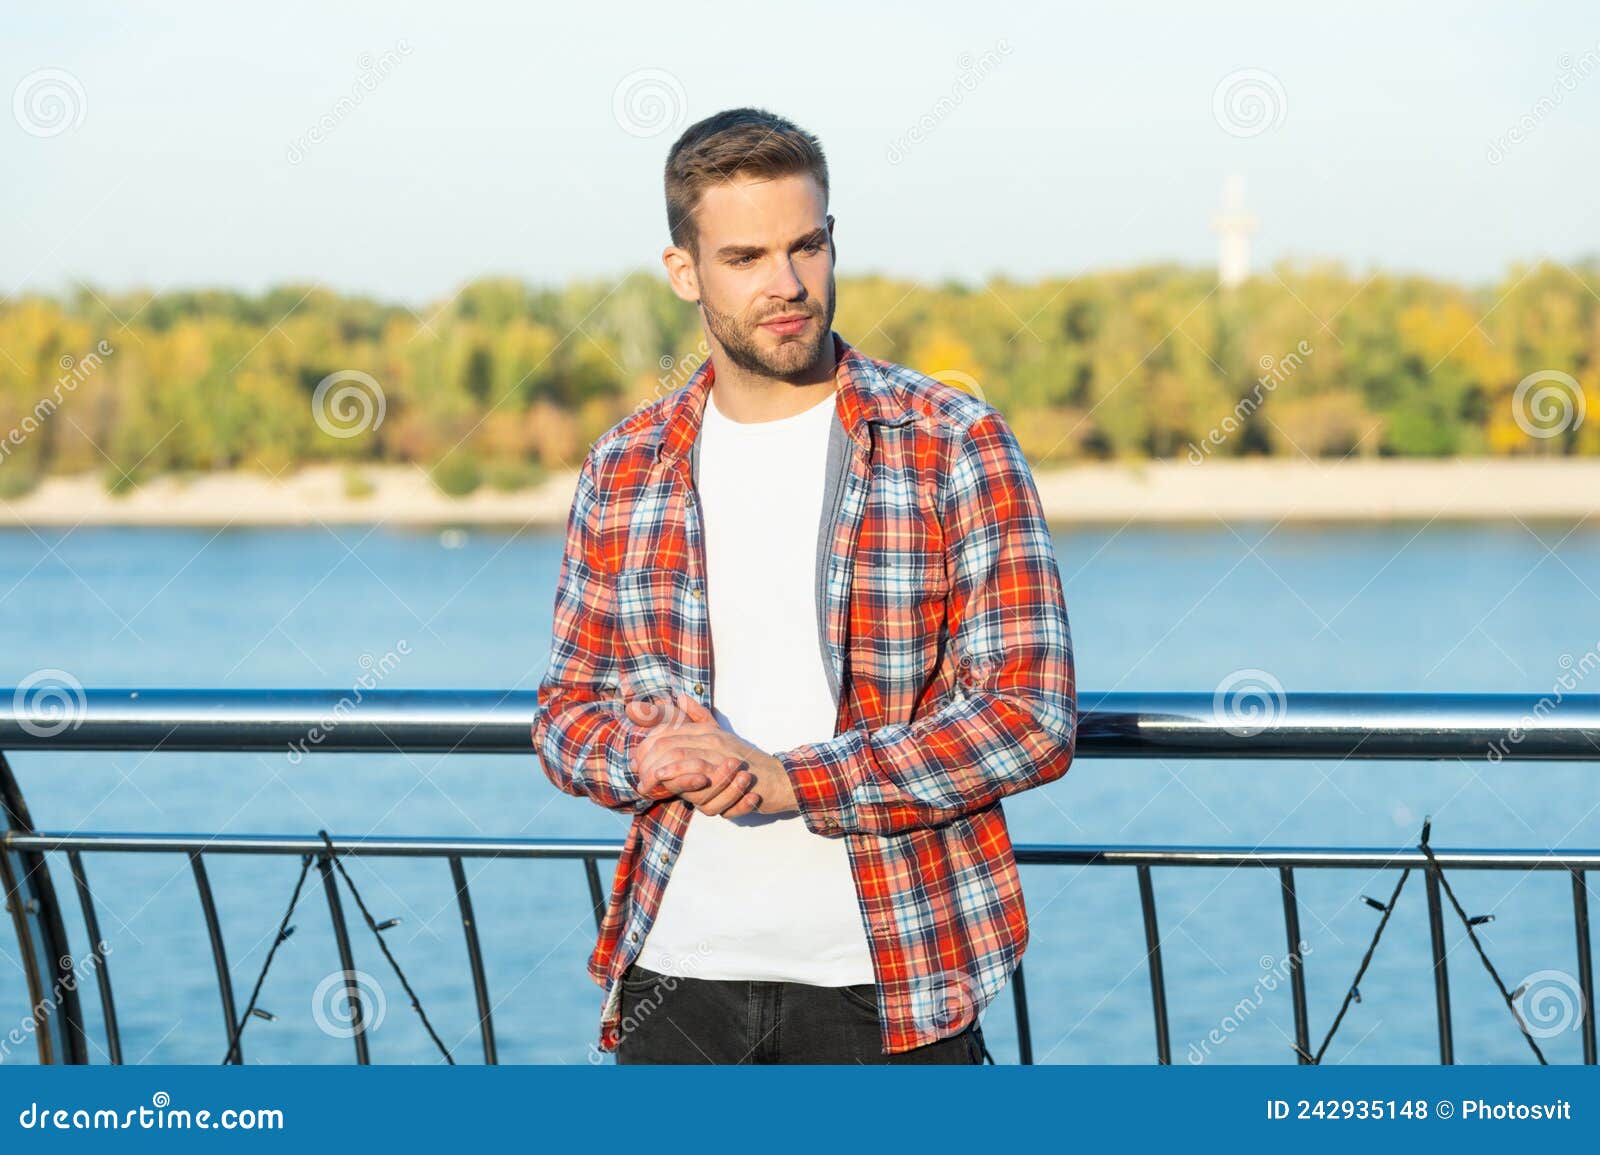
column 819, row 233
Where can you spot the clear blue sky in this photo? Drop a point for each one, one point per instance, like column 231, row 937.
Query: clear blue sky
column 493, row 146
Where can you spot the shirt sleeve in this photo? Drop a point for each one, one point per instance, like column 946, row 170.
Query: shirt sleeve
column 583, row 738
column 1011, row 723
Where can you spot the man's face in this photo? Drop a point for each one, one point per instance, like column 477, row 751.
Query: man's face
column 766, row 252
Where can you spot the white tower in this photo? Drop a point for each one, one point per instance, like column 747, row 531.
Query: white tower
column 1233, row 227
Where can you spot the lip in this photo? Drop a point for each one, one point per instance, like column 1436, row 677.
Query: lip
column 788, row 324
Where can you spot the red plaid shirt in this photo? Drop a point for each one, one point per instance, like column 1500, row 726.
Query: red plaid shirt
column 945, row 624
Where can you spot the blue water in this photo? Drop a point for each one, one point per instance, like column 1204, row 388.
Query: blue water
column 1398, row 608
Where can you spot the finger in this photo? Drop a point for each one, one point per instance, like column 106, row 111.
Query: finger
column 649, row 712
column 717, row 778
column 681, row 780
column 674, row 786
column 689, row 774
column 693, row 710
column 663, row 777
column 697, row 734
column 713, row 753
column 729, row 795
column 749, row 804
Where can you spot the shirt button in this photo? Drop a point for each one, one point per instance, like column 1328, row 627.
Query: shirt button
column 633, row 936
column 696, row 594
column 699, row 687
column 664, row 859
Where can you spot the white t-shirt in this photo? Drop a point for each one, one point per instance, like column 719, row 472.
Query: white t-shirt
column 762, row 897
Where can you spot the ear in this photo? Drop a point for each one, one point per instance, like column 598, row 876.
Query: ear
column 681, row 274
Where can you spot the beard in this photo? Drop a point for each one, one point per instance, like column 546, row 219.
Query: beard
column 793, row 357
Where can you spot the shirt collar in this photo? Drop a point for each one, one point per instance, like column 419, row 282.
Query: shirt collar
column 865, row 394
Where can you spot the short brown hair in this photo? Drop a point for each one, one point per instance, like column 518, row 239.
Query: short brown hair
column 739, row 141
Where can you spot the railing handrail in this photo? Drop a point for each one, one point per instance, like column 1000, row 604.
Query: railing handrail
column 1042, row 854
column 1365, row 726
column 1249, row 722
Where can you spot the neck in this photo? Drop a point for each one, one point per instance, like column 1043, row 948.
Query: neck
column 745, row 396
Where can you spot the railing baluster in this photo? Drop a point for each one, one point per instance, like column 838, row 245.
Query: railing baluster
column 56, row 1013
column 347, row 962
column 219, row 953
column 1441, row 972
column 1158, row 984
column 1580, row 918
column 480, row 986
column 1019, row 999
column 1297, row 978
column 102, row 973
column 596, row 896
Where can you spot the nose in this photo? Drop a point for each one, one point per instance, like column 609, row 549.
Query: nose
column 786, row 283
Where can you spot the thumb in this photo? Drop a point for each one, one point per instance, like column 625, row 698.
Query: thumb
column 646, row 712
column 692, row 709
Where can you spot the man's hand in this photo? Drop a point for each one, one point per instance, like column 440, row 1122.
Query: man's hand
column 712, row 768
column 656, row 718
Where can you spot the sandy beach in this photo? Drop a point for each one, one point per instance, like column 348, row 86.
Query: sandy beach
column 1156, row 492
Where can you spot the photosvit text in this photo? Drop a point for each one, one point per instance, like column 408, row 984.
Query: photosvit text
column 1467, row 1109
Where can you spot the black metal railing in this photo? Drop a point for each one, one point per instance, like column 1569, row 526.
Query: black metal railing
column 1196, row 726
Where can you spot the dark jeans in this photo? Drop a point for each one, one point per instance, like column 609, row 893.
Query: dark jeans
column 672, row 1019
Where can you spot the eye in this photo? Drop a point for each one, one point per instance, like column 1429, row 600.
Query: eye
column 814, row 247
column 739, row 261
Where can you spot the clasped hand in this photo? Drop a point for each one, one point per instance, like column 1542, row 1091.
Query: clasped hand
column 687, row 754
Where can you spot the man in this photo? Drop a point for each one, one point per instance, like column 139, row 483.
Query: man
column 809, row 630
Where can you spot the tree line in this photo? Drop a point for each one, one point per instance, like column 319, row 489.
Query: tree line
column 506, row 381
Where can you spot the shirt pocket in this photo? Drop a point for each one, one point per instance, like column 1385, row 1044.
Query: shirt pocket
column 653, row 606
column 897, row 616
